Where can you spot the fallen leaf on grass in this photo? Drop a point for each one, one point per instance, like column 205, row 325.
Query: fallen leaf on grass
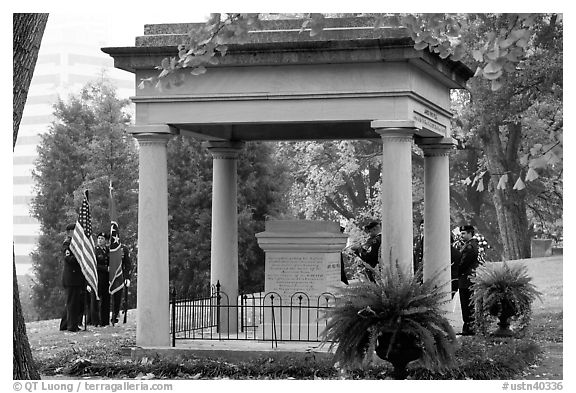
column 142, row 376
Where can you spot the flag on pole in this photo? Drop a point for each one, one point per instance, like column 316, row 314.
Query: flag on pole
column 82, row 245
column 116, row 279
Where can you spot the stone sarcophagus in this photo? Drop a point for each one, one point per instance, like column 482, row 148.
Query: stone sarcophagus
column 302, row 269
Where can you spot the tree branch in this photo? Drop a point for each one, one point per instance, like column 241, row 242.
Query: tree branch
column 344, row 212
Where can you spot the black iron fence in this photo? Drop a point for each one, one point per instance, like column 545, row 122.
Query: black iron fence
column 256, row 316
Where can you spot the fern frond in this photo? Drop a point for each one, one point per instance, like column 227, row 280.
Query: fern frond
column 395, row 303
column 499, row 283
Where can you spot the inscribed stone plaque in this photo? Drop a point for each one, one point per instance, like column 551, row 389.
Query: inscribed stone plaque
column 311, row 273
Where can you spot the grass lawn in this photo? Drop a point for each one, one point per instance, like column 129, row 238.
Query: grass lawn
column 103, row 352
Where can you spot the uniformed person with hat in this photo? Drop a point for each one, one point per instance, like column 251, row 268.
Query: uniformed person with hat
column 466, row 268
column 102, row 252
column 74, row 285
column 455, row 257
column 369, row 252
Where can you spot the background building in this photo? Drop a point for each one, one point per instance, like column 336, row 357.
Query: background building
column 69, row 57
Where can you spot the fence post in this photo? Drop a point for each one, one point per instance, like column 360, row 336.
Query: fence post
column 273, row 332
column 173, row 301
column 218, row 306
column 242, row 313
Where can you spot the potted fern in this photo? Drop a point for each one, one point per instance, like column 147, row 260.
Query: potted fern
column 395, row 316
column 504, row 293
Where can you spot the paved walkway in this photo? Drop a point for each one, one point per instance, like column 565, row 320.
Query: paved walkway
column 232, row 350
column 251, row 345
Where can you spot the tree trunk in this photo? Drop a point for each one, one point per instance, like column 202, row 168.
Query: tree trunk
column 513, row 222
column 23, row 363
column 510, row 204
column 28, row 30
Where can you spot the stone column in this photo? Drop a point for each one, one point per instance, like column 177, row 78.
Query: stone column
column 396, row 191
column 437, row 209
column 153, row 317
column 224, row 242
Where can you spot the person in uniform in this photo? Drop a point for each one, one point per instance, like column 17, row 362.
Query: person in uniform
column 466, row 268
column 102, row 253
column 369, row 252
column 74, row 285
column 455, row 257
column 343, row 276
column 126, row 269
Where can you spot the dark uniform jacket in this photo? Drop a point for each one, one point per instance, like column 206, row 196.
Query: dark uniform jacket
column 102, row 260
column 469, row 259
column 455, row 257
column 72, row 275
column 370, row 251
column 126, row 263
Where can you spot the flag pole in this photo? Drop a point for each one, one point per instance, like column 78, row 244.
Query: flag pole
column 125, row 303
column 86, row 307
column 99, row 301
column 86, row 294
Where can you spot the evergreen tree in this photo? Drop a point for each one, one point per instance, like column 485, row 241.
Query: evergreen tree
column 86, row 147
column 261, row 186
column 189, row 215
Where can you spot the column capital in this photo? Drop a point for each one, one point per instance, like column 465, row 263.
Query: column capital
column 394, row 130
column 151, row 138
column 224, row 150
column 435, row 147
column 152, row 133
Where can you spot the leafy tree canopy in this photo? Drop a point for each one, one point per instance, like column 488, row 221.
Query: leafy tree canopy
column 498, row 51
column 86, row 147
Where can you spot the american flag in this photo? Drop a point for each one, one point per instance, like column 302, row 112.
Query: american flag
column 116, row 278
column 82, row 245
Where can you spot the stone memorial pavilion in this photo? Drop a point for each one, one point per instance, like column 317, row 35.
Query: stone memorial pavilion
column 351, row 82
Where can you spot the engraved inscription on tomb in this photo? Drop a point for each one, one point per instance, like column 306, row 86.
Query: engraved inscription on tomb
column 289, row 273
column 311, row 273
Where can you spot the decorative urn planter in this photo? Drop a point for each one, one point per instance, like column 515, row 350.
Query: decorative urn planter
column 397, row 316
column 403, row 350
column 504, row 311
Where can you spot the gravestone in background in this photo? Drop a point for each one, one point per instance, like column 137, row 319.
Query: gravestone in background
column 301, row 270
column 540, row 248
